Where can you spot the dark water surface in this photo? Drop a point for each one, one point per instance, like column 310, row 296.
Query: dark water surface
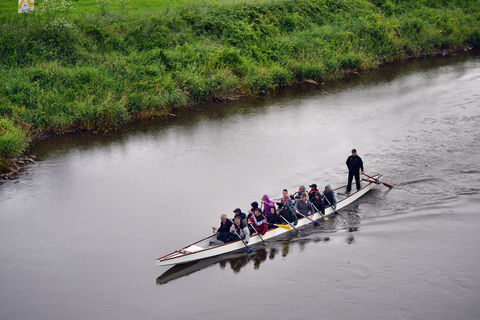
column 79, row 236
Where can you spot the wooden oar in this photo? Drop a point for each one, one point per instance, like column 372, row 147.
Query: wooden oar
column 265, row 243
column 291, row 225
column 244, row 243
column 315, row 222
column 384, row 183
column 323, row 216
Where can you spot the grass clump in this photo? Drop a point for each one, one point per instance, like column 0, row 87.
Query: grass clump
column 12, row 141
column 90, row 65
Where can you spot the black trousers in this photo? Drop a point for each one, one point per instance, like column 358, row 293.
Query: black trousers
column 355, row 174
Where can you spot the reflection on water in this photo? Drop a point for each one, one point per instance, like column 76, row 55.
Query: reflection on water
column 236, row 261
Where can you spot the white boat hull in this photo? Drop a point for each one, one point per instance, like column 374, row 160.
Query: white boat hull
column 201, row 249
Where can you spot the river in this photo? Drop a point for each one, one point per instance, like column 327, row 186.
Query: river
column 79, row 235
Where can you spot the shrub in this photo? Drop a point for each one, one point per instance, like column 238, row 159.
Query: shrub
column 12, row 139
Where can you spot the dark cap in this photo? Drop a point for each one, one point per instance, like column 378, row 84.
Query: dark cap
column 313, row 185
column 354, row 150
column 237, row 210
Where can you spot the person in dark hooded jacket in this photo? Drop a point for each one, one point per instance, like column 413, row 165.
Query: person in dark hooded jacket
column 329, row 197
column 288, row 213
column 317, row 203
column 254, row 205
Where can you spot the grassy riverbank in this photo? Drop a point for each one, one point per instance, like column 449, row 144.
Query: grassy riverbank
column 93, row 67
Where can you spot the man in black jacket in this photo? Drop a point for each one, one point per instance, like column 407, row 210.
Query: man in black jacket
column 223, row 232
column 355, row 168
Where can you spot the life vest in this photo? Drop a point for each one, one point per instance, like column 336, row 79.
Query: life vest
column 283, row 200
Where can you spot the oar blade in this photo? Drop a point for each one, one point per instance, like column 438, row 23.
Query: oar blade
column 387, row 185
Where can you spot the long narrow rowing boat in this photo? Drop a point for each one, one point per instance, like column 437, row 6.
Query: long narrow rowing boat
column 202, row 248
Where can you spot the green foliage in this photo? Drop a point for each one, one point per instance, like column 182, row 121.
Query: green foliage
column 12, row 139
column 95, row 65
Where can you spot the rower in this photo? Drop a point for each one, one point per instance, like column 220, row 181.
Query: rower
column 258, row 222
column 304, row 206
column 288, row 213
column 317, row 203
column 239, row 229
column 274, row 218
column 267, row 204
column 329, row 198
column 254, row 205
column 285, row 197
column 241, row 215
column 313, row 190
column 223, row 232
column 355, row 168
column 299, row 193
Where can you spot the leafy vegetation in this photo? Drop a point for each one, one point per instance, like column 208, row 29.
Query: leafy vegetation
column 90, row 65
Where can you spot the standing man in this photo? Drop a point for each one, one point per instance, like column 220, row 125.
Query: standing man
column 355, row 168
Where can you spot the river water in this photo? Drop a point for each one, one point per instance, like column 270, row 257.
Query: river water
column 79, row 235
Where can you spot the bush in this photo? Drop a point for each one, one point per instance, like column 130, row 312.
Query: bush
column 12, row 139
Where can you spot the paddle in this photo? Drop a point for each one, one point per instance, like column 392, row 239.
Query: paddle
column 283, row 226
column 384, row 183
column 244, row 243
column 315, row 222
column 265, row 243
column 291, row 225
column 323, row 216
column 330, row 204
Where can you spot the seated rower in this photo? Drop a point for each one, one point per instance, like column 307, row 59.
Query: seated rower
column 329, row 198
column 288, row 213
column 317, row 203
column 285, row 197
column 303, row 207
column 258, row 222
column 254, row 205
column 274, row 218
column 241, row 215
column 313, row 190
column 267, row 204
column 239, row 229
column 299, row 193
column 223, row 232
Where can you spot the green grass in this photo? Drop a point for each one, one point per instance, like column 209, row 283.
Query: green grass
column 96, row 69
column 12, row 141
